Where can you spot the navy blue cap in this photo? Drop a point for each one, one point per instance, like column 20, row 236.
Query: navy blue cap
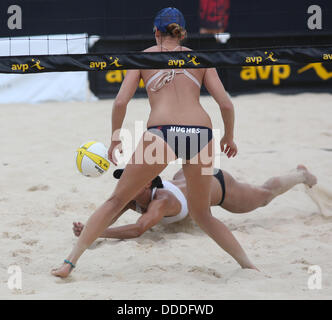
column 167, row 16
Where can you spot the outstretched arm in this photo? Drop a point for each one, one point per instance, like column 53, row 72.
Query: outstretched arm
column 154, row 214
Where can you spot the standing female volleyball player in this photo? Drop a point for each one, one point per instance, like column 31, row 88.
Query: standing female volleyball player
column 178, row 126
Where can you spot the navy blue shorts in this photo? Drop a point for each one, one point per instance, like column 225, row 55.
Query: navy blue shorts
column 220, row 176
column 185, row 141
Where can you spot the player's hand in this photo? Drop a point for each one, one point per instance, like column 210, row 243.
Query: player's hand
column 115, row 145
column 228, row 146
column 78, row 228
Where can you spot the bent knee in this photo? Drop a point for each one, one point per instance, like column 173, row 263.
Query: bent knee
column 200, row 216
column 266, row 196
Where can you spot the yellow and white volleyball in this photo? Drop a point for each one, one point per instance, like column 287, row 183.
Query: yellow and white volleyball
column 91, row 159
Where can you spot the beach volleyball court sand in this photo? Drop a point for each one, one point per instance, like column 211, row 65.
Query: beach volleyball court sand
column 42, row 193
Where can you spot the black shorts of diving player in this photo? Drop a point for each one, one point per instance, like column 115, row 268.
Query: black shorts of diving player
column 185, row 141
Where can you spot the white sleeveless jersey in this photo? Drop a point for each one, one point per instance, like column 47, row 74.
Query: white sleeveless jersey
column 179, row 195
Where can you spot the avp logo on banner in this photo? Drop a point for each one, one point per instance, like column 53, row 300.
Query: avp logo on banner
column 117, row 76
column 182, row 62
column 319, row 69
column 277, row 72
column 258, row 59
column 25, row 66
column 327, row 56
column 101, row 65
column 282, row 72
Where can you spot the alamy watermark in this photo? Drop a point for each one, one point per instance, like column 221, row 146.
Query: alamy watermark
column 315, row 21
column 15, row 277
column 315, row 278
column 15, row 18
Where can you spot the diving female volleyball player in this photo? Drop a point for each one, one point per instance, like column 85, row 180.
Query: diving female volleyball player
column 178, row 126
column 226, row 192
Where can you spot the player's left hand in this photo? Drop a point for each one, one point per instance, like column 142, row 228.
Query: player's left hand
column 228, row 146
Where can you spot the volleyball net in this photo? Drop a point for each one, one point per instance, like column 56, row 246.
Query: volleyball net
column 165, row 60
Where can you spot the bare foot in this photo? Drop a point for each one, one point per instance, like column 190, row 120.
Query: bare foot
column 63, row 271
column 250, row 266
column 77, row 228
column 255, row 268
column 310, row 179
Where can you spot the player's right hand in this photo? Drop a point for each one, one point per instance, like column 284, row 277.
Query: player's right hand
column 115, row 145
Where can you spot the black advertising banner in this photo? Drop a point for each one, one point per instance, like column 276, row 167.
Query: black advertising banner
column 258, row 69
column 166, row 60
column 106, row 84
column 282, row 78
